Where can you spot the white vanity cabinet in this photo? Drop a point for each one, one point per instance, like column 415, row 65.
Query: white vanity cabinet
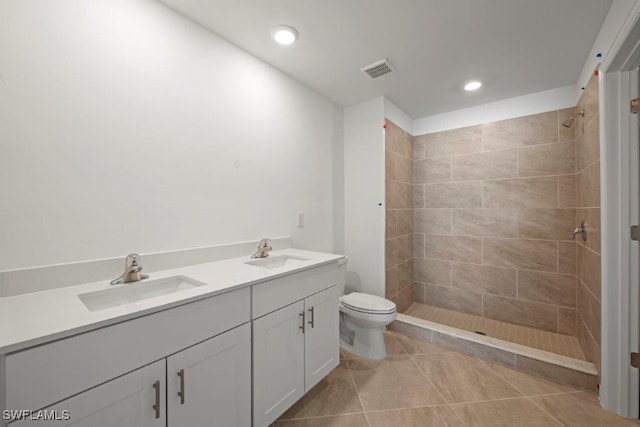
column 295, row 343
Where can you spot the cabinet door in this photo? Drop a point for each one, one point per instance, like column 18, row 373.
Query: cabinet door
column 209, row 384
column 127, row 401
column 322, row 342
column 278, row 363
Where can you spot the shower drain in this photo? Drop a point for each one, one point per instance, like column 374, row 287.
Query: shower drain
column 479, row 333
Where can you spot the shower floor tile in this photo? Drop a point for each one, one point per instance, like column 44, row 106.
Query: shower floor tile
column 563, row 345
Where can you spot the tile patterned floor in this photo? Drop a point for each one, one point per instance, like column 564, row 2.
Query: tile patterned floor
column 421, row 384
column 564, row 345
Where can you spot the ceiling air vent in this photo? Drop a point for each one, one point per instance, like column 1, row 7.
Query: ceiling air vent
column 378, row 69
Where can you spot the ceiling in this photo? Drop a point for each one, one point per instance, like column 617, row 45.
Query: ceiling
column 514, row 47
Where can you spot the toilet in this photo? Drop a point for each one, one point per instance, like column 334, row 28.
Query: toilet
column 363, row 318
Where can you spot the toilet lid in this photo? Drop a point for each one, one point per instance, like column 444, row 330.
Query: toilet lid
column 368, row 303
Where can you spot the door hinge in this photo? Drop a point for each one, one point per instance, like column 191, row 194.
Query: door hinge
column 635, row 232
column 635, row 105
column 635, row 360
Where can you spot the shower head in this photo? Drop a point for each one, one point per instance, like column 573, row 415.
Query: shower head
column 567, row 123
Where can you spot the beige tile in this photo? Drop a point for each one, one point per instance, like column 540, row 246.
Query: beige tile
column 589, row 311
column 588, row 145
column 432, row 271
column 567, row 257
column 418, row 196
column 589, row 102
column 580, row 410
column 433, row 221
column 558, row 373
column 589, row 346
column 588, row 187
column 398, row 250
column 405, row 273
column 418, row 147
column 566, row 134
column 398, row 168
column 392, row 383
column 403, row 299
column 419, row 293
column 391, row 223
column 397, row 139
column 517, row 253
column 550, row 224
column 432, row 170
column 567, row 191
column 453, row 195
column 485, row 222
column 353, row 420
column 519, row 312
column 484, row 352
column 390, row 282
column 398, row 195
column 488, row 165
column 413, row 417
column 589, row 269
column 551, row 288
column 502, row 413
column 522, row 131
column 567, row 321
column 393, row 345
column 483, row 278
column 453, row 248
column 451, row 142
column 592, row 217
column 418, row 245
column 405, row 221
column 417, row 346
column 333, row 395
column 454, row 299
column 462, row 378
column 548, row 159
column 530, row 385
column 530, row 193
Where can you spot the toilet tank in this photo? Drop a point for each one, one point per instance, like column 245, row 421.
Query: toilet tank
column 342, row 274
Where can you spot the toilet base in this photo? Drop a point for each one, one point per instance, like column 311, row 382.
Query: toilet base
column 363, row 342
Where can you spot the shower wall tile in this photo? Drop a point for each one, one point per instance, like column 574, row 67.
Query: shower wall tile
column 589, row 269
column 457, row 141
column 519, row 312
column 567, row 191
column 521, row 193
column 589, row 346
column 432, row 271
column 433, row 221
column 550, row 288
column 432, row 170
column 453, row 248
column 488, row 165
column 588, row 145
column 567, row 257
column 549, row 224
column 398, row 195
column 567, row 321
column 588, row 186
column 391, row 282
column 405, row 221
column 418, row 196
column 566, row 134
column 589, row 310
column 548, row 159
column 418, row 147
column 397, row 140
column 391, row 223
column 483, row 278
column 403, row 298
column 454, row 299
column 525, row 254
column 592, row 217
column 485, row 222
column 453, row 195
column 405, row 274
column 588, row 102
column 522, row 131
column 419, row 294
column 418, row 245
column 399, row 168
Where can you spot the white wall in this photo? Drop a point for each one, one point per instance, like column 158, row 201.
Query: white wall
column 397, row 116
column 124, row 127
column 364, row 196
column 534, row 103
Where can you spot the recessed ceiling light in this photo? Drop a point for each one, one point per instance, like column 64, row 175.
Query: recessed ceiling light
column 284, row 34
column 471, row 86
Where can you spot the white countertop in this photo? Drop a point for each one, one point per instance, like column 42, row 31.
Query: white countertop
column 36, row 318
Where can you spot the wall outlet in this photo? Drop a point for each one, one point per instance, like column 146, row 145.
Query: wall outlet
column 300, row 219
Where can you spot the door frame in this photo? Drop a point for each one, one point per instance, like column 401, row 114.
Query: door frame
column 619, row 163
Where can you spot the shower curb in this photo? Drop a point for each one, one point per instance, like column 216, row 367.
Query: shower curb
column 562, row 369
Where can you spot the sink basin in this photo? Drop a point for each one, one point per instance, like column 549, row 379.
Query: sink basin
column 136, row 292
column 278, row 261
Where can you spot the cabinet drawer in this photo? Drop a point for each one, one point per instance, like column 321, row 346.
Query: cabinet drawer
column 42, row 375
column 274, row 294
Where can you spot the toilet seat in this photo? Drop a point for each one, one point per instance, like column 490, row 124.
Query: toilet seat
column 366, row 303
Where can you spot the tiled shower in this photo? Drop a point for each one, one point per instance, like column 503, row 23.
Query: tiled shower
column 493, row 210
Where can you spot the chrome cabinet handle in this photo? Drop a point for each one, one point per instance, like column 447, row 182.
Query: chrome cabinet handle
column 312, row 317
column 156, row 406
column 302, row 327
column 181, row 392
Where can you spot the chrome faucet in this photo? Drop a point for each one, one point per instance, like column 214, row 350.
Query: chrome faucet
column 582, row 230
column 263, row 249
column 132, row 271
